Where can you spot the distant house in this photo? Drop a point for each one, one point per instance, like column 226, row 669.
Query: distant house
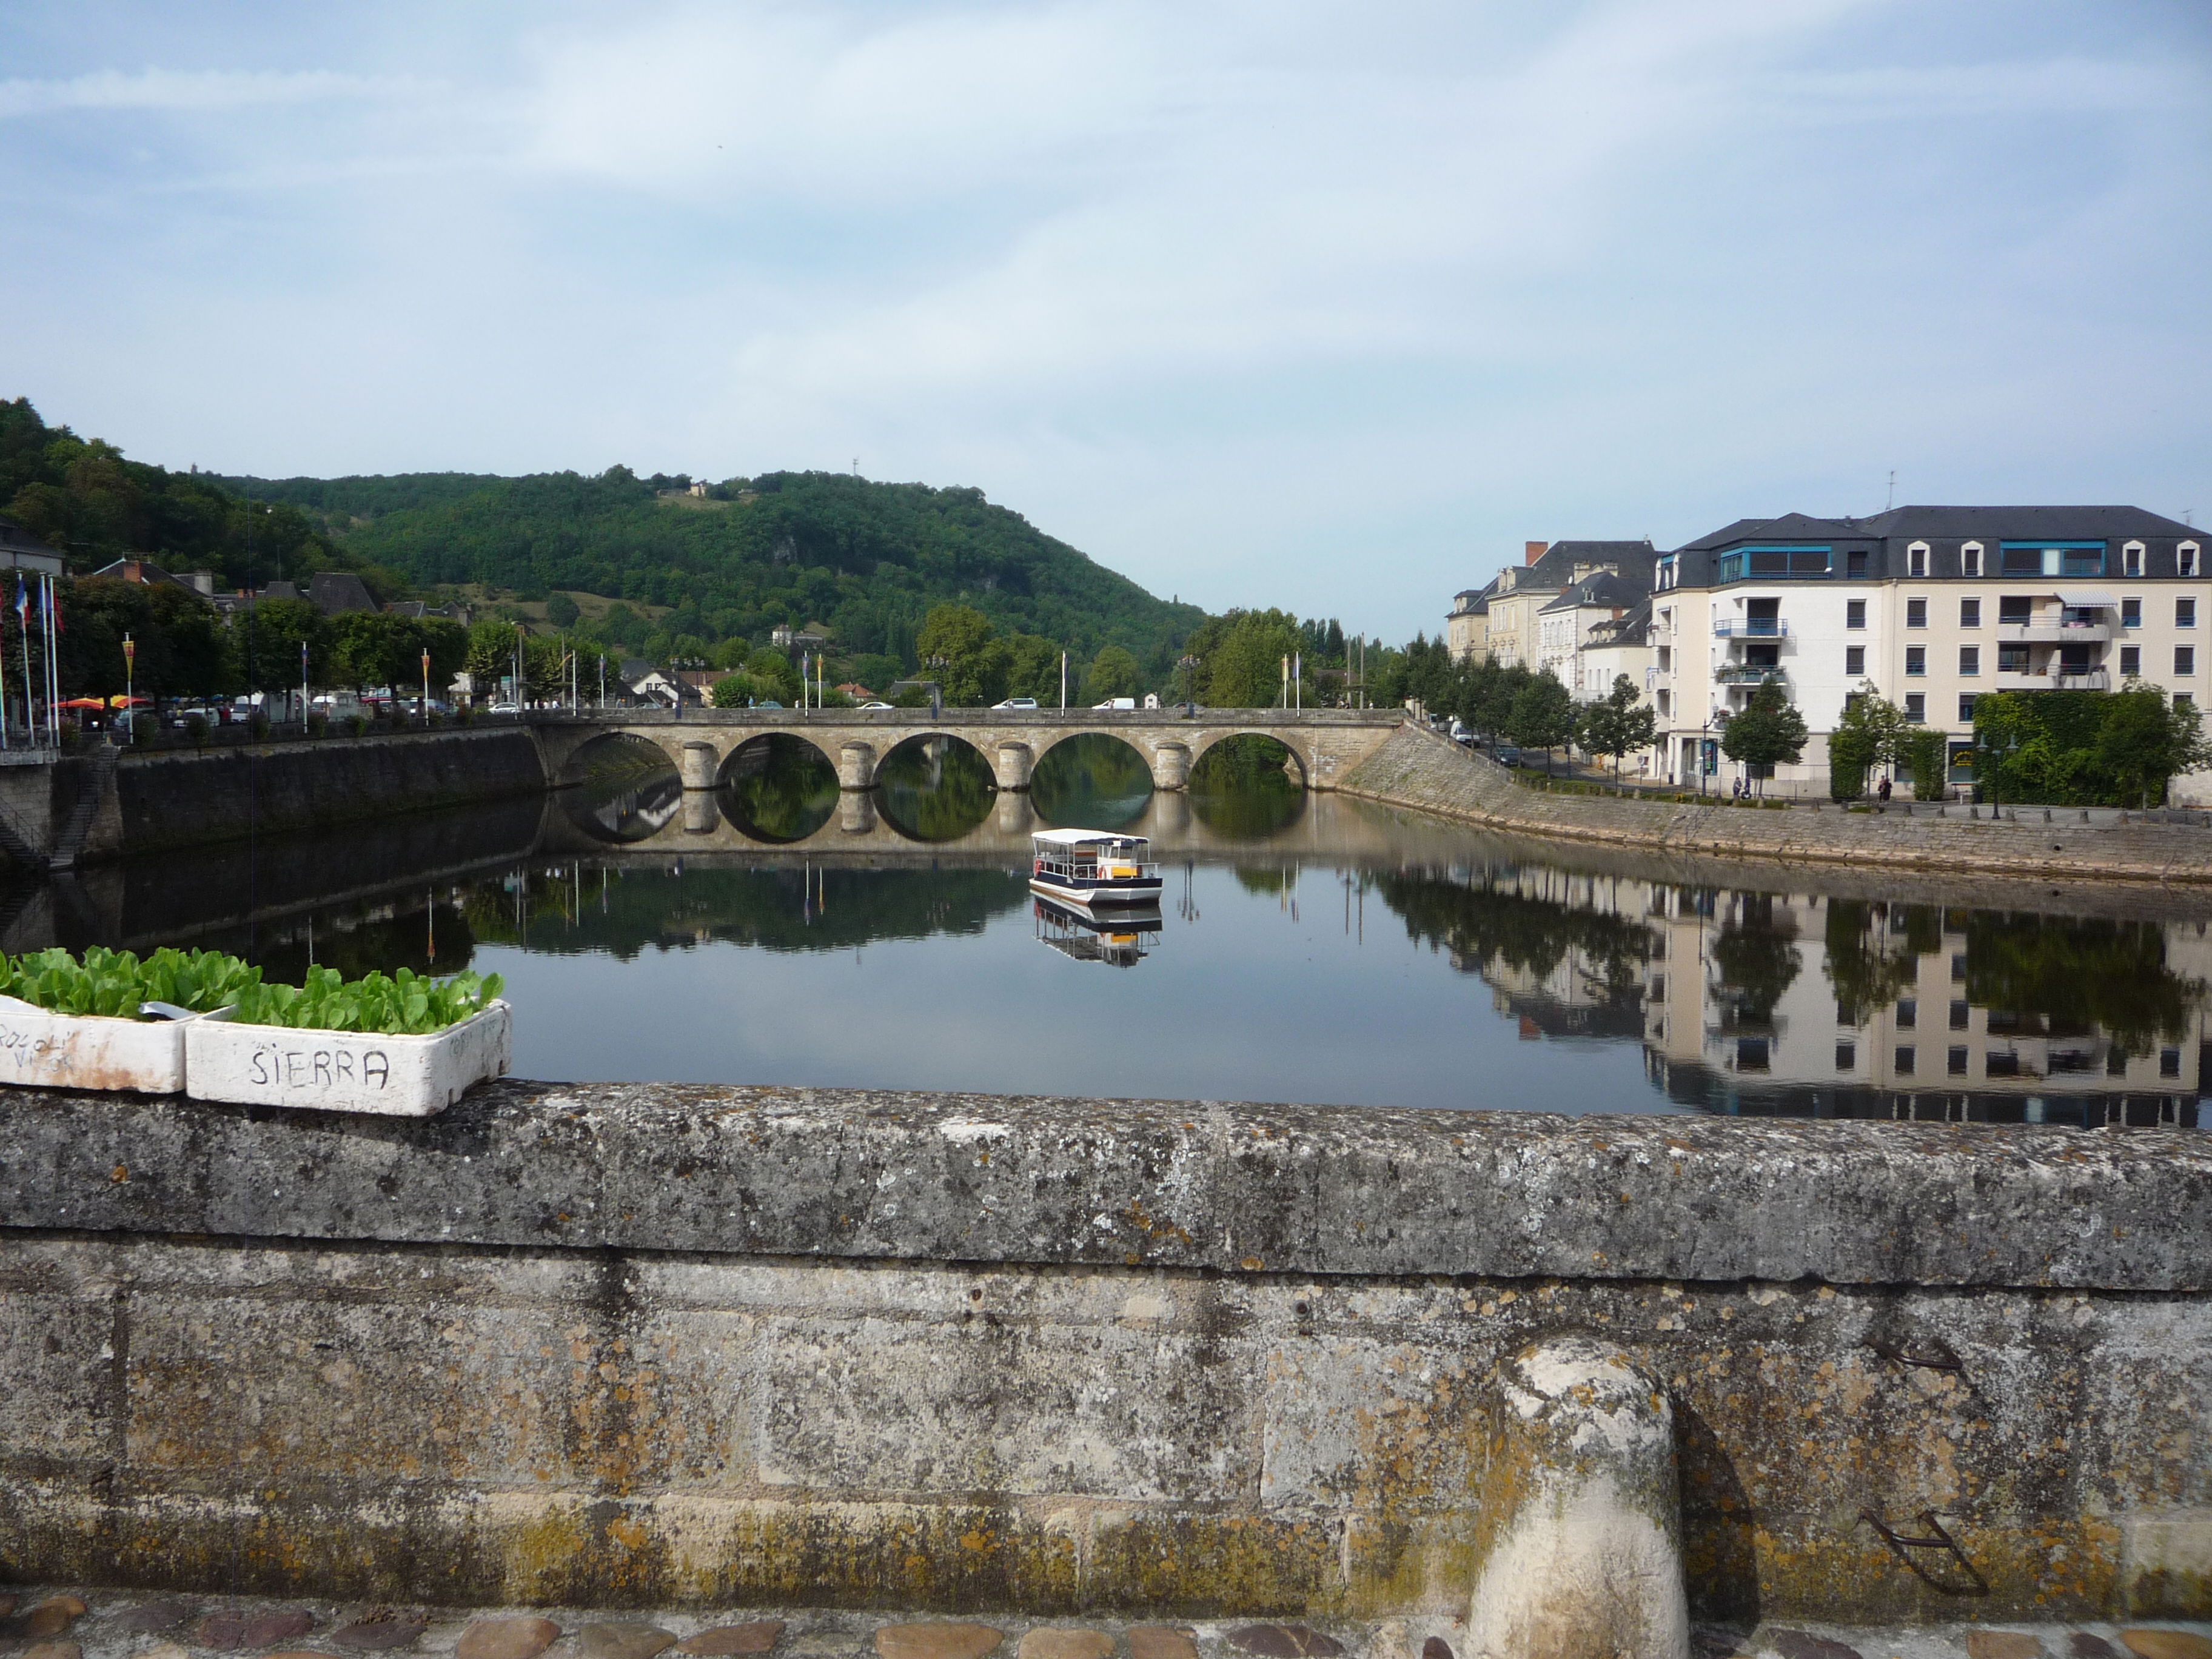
column 857, row 693
column 335, row 592
column 699, row 487
column 784, row 637
column 701, row 680
column 21, row 550
column 659, row 688
column 419, row 609
column 199, row 583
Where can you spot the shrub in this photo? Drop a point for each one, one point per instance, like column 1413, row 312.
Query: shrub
column 465, row 714
column 145, row 729
column 195, row 729
column 319, row 725
column 256, row 724
column 356, row 725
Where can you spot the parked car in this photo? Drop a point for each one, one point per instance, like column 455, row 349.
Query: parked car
column 1506, row 755
column 878, row 705
column 505, row 708
column 1460, row 734
column 1017, row 703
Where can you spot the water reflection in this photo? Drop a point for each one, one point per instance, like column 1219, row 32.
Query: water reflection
column 1247, row 786
column 777, row 789
column 623, row 809
column 1091, row 781
column 935, row 789
column 1118, row 938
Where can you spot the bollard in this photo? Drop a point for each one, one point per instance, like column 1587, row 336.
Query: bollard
column 1578, row 1546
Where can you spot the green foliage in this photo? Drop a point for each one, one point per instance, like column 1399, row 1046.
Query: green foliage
column 114, row 983
column 1868, row 734
column 1241, row 659
column 733, row 691
column 958, row 651
column 870, row 560
column 2086, row 748
column 1113, row 673
column 404, row 1004
column 1767, row 730
column 773, row 676
column 1617, row 723
column 1542, row 715
column 1921, row 752
column 562, row 611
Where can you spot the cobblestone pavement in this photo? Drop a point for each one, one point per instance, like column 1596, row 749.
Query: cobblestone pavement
column 61, row 1623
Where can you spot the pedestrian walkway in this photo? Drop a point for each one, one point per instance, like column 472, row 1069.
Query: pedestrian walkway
column 86, row 1624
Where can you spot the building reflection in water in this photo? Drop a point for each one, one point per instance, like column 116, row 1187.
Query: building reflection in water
column 1798, row 1005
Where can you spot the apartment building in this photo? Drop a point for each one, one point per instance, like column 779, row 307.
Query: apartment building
column 1929, row 607
column 1501, row 620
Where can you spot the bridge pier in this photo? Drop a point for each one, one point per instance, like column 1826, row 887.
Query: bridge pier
column 1015, row 815
column 702, row 815
column 856, row 812
column 1171, row 766
column 856, row 766
column 1014, row 762
column 700, row 765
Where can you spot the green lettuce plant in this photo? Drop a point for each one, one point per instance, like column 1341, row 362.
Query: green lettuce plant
column 405, row 1004
column 115, row 983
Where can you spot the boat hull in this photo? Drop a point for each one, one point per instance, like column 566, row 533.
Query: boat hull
column 1129, row 889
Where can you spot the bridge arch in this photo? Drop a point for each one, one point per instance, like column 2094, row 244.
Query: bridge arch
column 608, row 753
column 1100, row 778
column 1214, row 740
column 935, row 785
column 774, row 786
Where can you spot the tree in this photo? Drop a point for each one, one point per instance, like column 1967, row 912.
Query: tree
column 773, row 676
column 1241, row 656
column 968, row 664
column 1921, row 751
column 266, row 637
column 2144, row 740
column 1618, row 722
column 1767, row 731
column 562, row 611
column 1867, row 735
column 1543, row 714
column 1112, row 673
column 489, row 655
column 733, row 691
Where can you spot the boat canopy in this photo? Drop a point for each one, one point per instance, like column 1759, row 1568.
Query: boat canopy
column 1084, row 838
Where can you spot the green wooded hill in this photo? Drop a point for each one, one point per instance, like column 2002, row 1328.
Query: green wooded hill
column 868, row 559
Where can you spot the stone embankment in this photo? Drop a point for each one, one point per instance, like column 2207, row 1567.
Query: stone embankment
column 1419, row 769
column 654, row 1345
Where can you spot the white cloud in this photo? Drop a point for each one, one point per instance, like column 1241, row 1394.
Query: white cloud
column 195, row 92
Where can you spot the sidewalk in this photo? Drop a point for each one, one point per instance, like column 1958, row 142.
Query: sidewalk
column 65, row 1624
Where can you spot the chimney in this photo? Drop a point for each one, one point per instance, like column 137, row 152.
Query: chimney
column 203, row 582
column 1532, row 551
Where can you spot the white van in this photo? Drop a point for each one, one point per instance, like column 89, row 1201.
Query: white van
column 1117, row 702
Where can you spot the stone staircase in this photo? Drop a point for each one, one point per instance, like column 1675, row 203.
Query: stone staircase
column 99, row 779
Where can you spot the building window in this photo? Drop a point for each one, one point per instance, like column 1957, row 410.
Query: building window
column 1908, row 1014
column 1916, row 659
column 1916, row 559
column 2131, row 613
column 2169, row 1062
column 1855, row 661
column 1970, row 559
column 1854, row 564
column 1955, row 1061
column 1915, row 613
column 2130, row 660
column 2051, row 558
column 1961, row 1012
column 2184, row 661
column 2185, row 558
column 1771, row 562
column 2184, row 613
column 1969, row 661
column 2131, row 558
column 1916, row 707
column 1847, row 1056
column 1855, row 613
column 1970, row 613
column 1904, row 1061
column 1965, row 708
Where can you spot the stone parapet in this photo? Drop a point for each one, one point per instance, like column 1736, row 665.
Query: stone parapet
column 654, row 1345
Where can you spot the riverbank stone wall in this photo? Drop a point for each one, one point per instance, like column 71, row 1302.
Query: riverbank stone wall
column 653, row 1344
column 1418, row 768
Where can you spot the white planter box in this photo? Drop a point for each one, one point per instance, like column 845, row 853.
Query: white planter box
column 344, row 1071
column 45, row 1050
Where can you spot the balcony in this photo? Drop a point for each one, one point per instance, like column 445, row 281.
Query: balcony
column 1756, row 628
column 1737, row 673
column 2095, row 679
column 2053, row 632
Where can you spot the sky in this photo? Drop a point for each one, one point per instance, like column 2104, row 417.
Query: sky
column 1331, row 306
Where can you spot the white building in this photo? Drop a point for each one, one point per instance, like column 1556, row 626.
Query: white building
column 1928, row 607
column 1501, row 621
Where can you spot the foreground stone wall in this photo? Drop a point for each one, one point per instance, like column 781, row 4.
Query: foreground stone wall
column 1418, row 768
column 640, row 1346
column 165, row 800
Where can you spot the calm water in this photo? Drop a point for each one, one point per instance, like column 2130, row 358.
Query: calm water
column 1308, row 948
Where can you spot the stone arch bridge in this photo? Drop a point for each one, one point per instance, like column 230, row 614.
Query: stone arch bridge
column 1326, row 743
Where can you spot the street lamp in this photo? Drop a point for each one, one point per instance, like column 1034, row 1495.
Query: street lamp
column 129, row 667
column 937, row 666
column 1995, row 754
column 1188, row 668
column 426, row 688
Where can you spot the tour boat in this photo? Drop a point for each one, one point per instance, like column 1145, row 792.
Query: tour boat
column 1093, row 867
column 1119, row 937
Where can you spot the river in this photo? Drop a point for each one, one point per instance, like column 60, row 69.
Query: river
column 1308, row 948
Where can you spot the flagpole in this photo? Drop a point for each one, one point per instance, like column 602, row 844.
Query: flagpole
column 54, row 668
column 23, row 627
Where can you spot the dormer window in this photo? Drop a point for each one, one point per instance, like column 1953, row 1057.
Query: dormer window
column 2131, row 559
column 1916, row 559
column 1970, row 559
column 2185, row 558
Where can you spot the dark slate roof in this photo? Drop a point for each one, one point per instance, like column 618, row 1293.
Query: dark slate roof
column 146, row 571
column 18, row 542
column 1790, row 527
column 2025, row 522
column 1630, row 627
column 1474, row 600
column 335, row 591
column 281, row 590
column 1606, row 589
